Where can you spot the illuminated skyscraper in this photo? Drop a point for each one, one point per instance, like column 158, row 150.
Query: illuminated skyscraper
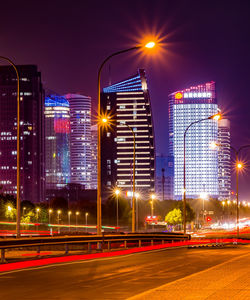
column 186, row 106
column 128, row 102
column 57, row 142
column 31, row 132
column 224, row 159
column 94, row 157
column 80, row 139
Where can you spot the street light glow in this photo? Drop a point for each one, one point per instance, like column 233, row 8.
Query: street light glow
column 204, row 195
column 216, row 117
column 104, row 120
column 153, row 196
column 117, row 192
column 239, row 165
column 150, row 45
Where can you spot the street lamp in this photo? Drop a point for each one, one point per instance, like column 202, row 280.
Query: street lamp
column 213, row 117
column 117, row 192
column 149, row 45
column 203, row 196
column 18, row 202
column 37, row 212
column 69, row 214
column 50, row 212
column 86, row 220
column 239, row 166
column 137, row 195
column 24, row 208
column 152, row 204
column 77, row 214
column 58, row 216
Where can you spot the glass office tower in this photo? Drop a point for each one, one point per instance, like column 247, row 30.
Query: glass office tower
column 128, row 102
column 186, row 106
column 57, row 142
column 31, row 132
column 80, row 139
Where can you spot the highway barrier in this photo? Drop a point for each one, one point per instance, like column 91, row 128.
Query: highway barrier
column 97, row 242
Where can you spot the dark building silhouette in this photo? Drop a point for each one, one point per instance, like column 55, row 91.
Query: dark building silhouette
column 31, row 132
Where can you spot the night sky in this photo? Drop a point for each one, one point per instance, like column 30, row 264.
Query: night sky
column 199, row 41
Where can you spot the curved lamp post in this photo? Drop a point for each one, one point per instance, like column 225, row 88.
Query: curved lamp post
column 213, row 117
column 238, row 167
column 18, row 202
column 99, row 200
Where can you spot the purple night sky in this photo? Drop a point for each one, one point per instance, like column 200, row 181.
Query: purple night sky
column 200, row 40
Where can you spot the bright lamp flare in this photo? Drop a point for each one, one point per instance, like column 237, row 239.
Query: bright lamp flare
column 150, row 45
column 239, row 165
column 153, row 196
column 217, row 117
column 117, row 192
column 104, row 120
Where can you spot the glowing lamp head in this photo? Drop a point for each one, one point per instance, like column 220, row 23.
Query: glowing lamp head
column 77, row 213
column 104, row 120
column 69, row 213
column 153, row 196
column 213, row 145
column 216, row 117
column 9, row 208
column 204, row 195
column 117, row 192
column 50, row 211
column 86, row 214
column 150, row 45
column 239, row 165
column 137, row 195
column 59, row 212
column 38, row 209
column 178, row 96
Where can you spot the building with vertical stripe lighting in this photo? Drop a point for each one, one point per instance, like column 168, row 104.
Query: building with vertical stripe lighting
column 186, row 106
column 224, row 159
column 80, row 139
column 128, row 102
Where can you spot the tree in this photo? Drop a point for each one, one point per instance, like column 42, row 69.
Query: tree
column 174, row 217
column 190, row 214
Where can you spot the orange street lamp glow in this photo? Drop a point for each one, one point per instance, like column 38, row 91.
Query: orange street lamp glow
column 150, row 45
column 239, row 165
column 117, row 192
column 217, row 117
column 104, row 120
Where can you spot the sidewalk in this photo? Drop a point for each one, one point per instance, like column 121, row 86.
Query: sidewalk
column 229, row 280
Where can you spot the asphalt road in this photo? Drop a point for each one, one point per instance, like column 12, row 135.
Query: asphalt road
column 112, row 278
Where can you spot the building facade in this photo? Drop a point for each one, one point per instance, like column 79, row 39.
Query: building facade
column 164, row 177
column 224, row 159
column 94, row 157
column 31, row 132
column 57, row 142
column 186, row 106
column 80, row 139
column 128, row 104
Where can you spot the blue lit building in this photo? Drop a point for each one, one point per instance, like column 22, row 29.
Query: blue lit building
column 128, row 102
column 57, row 142
column 185, row 107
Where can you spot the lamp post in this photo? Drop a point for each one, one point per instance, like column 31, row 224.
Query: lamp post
column 24, row 208
column 50, row 212
column 152, row 204
column 239, row 166
column 77, row 214
column 69, row 214
column 86, row 220
column 58, row 216
column 203, row 196
column 37, row 213
column 213, row 117
column 137, row 195
column 18, row 202
column 117, row 192
column 99, row 200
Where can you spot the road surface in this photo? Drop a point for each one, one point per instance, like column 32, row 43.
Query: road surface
column 112, row 278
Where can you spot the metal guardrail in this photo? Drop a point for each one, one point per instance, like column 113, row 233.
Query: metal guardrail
column 100, row 240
